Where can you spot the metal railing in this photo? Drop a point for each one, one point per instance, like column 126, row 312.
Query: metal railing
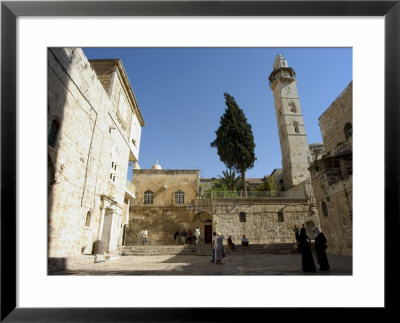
column 254, row 194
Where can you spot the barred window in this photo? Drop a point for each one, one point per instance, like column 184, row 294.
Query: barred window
column 148, row 197
column 280, row 217
column 242, row 217
column 53, row 133
column 179, row 197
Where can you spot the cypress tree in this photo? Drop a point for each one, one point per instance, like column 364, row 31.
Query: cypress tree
column 235, row 141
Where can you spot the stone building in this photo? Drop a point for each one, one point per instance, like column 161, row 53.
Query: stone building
column 94, row 129
column 164, row 204
column 332, row 174
column 167, row 200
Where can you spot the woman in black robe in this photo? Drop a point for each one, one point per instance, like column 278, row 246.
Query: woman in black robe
column 320, row 247
column 307, row 260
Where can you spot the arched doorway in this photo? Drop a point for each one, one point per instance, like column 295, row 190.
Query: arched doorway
column 204, row 221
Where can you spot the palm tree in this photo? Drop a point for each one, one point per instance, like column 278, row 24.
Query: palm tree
column 230, row 180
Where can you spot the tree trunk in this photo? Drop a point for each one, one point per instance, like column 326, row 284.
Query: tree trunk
column 244, row 182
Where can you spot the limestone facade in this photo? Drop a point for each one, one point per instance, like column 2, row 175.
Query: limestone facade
column 91, row 133
column 332, row 175
column 164, row 204
column 262, row 220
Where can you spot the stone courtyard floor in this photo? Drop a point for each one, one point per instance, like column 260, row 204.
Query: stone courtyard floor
column 233, row 264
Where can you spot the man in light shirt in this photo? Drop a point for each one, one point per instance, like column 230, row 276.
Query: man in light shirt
column 197, row 234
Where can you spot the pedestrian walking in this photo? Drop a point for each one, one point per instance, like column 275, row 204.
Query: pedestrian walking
column 145, row 234
column 214, row 237
column 183, row 236
column 307, row 260
column 197, row 234
column 219, row 249
column 320, row 247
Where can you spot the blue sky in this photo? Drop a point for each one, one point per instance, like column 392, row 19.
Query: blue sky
column 180, row 94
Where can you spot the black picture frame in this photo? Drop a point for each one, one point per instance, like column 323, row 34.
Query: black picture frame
column 10, row 10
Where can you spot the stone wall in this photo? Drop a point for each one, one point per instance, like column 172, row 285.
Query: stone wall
column 262, row 224
column 161, row 223
column 333, row 120
column 80, row 164
column 332, row 175
column 164, row 184
column 332, row 182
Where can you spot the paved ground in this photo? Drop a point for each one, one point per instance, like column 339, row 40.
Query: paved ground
column 246, row 264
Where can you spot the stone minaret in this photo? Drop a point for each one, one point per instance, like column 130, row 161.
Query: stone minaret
column 292, row 134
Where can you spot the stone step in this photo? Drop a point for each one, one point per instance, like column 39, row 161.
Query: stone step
column 281, row 248
column 157, row 250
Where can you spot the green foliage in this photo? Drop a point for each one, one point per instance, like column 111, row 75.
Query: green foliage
column 235, row 141
column 230, row 180
column 268, row 185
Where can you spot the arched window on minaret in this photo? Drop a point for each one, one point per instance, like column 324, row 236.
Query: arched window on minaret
column 292, row 107
column 296, row 127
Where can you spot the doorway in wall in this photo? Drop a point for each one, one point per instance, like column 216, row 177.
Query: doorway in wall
column 207, row 233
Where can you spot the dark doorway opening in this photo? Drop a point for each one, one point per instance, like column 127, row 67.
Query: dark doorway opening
column 207, row 233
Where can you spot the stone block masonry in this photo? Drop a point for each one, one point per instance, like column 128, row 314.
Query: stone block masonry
column 88, row 161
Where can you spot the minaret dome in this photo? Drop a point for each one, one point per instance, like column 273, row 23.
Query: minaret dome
column 279, row 62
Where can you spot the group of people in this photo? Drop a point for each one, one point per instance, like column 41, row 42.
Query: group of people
column 183, row 236
column 231, row 245
column 304, row 246
column 218, row 251
column 302, row 240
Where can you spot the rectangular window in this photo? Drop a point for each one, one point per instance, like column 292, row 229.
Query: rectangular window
column 179, row 197
column 280, row 217
column 242, row 217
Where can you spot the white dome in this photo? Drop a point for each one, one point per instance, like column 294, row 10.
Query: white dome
column 156, row 166
column 279, row 62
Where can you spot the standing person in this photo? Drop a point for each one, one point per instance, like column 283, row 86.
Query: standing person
column 231, row 245
column 197, row 234
column 307, row 260
column 189, row 236
column 214, row 237
column 183, row 236
column 219, row 248
column 245, row 241
column 145, row 236
column 320, row 246
column 176, row 236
